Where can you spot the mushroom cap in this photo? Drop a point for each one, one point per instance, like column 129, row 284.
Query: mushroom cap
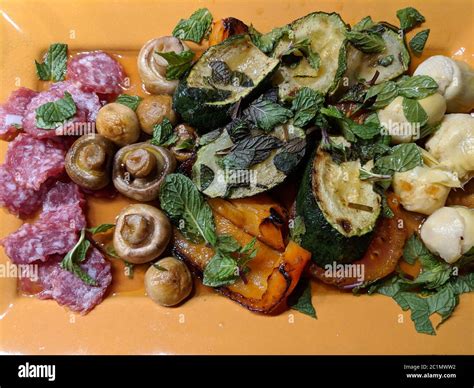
column 142, row 233
column 130, row 179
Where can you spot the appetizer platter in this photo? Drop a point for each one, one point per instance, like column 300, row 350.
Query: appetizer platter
column 220, row 161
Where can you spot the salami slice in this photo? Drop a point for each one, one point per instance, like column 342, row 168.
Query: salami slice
column 33, row 161
column 11, row 113
column 96, row 72
column 68, row 290
column 18, row 200
column 38, row 241
column 87, row 106
column 56, row 230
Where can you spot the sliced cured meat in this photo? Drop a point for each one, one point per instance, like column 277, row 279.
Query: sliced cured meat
column 56, row 230
column 19, row 100
column 68, row 290
column 63, row 194
column 11, row 113
column 96, row 72
column 18, row 200
column 33, row 161
column 38, row 241
column 87, row 105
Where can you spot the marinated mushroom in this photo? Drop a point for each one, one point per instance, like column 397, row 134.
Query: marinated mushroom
column 139, row 169
column 152, row 67
column 89, row 161
column 168, row 282
column 142, row 233
column 118, row 123
column 186, row 143
column 153, row 109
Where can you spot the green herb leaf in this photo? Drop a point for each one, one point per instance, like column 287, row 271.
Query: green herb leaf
column 364, row 24
column 101, row 228
column 290, row 156
column 367, row 42
column 365, row 175
column 222, row 75
column 417, row 43
column 385, row 93
column 303, row 49
column 55, row 64
column 131, row 101
column 227, row 244
column 221, row 270
column 52, row 114
column 418, row 86
column 195, row 28
column 76, row 256
column 178, row 63
column 163, row 134
column 414, row 112
column 266, row 114
column 251, row 151
column 267, row 42
column 306, row 105
column 206, row 177
column 300, row 299
column 298, row 230
column 402, row 157
column 386, row 61
column 160, row 268
column 183, row 203
column 409, row 18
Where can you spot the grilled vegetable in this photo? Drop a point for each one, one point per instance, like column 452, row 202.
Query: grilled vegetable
column 152, row 67
column 325, row 36
column 390, row 63
column 225, row 28
column 139, row 170
column 384, row 251
column 334, row 231
column 226, row 73
column 272, row 277
column 168, row 282
column 142, row 233
column 153, row 109
column 275, row 156
column 118, row 123
column 259, row 216
column 89, row 161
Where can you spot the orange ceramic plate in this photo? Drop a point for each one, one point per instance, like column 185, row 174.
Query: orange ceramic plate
column 127, row 322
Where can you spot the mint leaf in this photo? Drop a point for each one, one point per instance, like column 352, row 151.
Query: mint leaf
column 53, row 114
column 227, row 243
column 385, row 93
column 76, row 256
column 414, row 112
column 222, row 75
column 306, row 105
column 386, row 61
column 266, row 114
column 418, row 86
column 101, row 228
column 409, row 18
column 402, row 157
column 163, row 134
column 420, row 311
column 184, row 204
column 298, row 230
column 417, row 43
column 303, row 48
column 55, row 64
column 250, row 151
column 131, row 101
column 195, row 28
column 221, row 270
column 178, row 63
column 364, row 24
column 300, row 298
column 367, row 42
column 267, row 42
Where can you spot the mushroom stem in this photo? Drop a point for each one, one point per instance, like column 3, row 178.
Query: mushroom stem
column 136, row 228
column 92, row 156
column 140, row 162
